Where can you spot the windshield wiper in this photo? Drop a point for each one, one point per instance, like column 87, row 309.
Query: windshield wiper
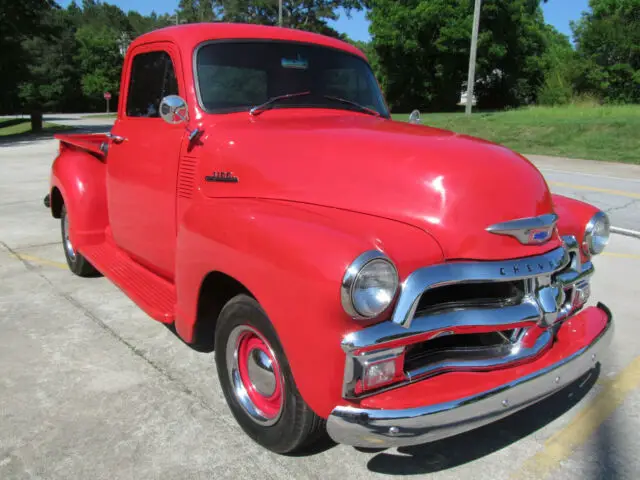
column 362, row 108
column 258, row 109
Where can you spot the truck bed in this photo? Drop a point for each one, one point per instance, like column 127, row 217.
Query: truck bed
column 91, row 142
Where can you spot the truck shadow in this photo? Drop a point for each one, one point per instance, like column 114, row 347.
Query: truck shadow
column 466, row 447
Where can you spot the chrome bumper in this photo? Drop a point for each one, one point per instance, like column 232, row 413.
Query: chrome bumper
column 394, row 428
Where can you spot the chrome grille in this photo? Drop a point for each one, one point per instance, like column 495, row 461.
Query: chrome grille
column 474, row 315
column 466, row 295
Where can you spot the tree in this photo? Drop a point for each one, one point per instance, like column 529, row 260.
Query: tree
column 310, row 15
column 18, row 20
column 511, row 45
column 561, row 65
column 608, row 42
column 52, row 81
column 100, row 56
column 423, row 49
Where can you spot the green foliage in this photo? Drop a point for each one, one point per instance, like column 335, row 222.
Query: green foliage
column 19, row 20
column 608, row 41
column 423, row 50
column 310, row 15
column 53, row 78
column 512, row 42
column 561, row 65
column 100, row 55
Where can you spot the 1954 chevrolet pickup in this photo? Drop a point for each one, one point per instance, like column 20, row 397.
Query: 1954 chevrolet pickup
column 385, row 282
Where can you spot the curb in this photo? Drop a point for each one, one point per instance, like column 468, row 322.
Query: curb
column 626, row 232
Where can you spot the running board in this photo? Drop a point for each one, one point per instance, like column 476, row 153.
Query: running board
column 150, row 292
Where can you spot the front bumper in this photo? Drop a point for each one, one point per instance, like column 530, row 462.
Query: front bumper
column 575, row 352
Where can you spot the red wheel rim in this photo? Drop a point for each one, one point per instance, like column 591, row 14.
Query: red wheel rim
column 256, row 375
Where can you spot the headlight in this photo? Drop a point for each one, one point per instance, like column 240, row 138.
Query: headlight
column 369, row 285
column 596, row 236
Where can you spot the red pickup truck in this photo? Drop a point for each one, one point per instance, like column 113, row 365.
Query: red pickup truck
column 385, row 282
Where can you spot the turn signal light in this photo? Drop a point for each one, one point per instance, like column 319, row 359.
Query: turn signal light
column 382, row 372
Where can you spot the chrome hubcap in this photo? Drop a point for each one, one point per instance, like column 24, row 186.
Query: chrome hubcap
column 68, row 246
column 255, row 375
column 261, row 374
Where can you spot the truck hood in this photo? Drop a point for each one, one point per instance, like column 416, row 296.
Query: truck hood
column 451, row 186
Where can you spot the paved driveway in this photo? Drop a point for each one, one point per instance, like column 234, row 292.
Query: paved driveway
column 90, row 387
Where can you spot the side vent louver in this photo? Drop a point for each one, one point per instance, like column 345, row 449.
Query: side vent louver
column 187, row 177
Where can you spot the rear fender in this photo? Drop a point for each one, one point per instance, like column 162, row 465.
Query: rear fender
column 80, row 178
column 292, row 258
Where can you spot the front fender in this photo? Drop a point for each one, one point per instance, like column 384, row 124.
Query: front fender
column 573, row 216
column 80, row 178
column 292, row 258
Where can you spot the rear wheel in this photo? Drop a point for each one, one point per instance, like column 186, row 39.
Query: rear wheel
column 77, row 263
column 257, row 381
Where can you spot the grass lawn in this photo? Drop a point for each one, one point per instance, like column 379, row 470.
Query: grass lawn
column 22, row 126
column 610, row 133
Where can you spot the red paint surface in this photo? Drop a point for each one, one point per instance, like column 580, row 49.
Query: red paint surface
column 316, row 188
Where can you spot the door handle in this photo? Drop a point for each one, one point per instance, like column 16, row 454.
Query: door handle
column 115, row 138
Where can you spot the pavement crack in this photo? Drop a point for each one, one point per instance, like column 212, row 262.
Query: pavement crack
column 110, row 331
column 622, row 207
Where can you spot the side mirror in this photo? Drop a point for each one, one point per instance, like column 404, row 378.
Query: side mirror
column 414, row 117
column 174, row 110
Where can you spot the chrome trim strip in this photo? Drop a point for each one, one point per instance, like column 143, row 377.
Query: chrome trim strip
column 376, row 336
column 472, row 272
column 522, row 228
column 489, row 359
column 393, row 428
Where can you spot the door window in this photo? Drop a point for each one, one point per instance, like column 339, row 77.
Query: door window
column 152, row 78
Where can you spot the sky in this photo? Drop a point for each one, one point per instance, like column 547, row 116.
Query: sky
column 556, row 12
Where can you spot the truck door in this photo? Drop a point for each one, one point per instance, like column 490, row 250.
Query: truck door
column 143, row 159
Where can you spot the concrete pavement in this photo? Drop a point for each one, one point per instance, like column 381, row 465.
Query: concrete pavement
column 613, row 187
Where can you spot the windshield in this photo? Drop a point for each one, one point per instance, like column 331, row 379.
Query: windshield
column 236, row 76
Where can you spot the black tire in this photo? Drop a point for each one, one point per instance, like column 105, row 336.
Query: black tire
column 77, row 263
column 297, row 427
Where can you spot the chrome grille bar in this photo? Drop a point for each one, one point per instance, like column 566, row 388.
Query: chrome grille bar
column 473, row 272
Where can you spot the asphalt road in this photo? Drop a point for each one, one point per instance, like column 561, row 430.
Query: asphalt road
column 90, row 387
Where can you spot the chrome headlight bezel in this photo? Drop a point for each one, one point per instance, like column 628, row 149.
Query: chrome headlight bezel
column 352, row 276
column 594, row 241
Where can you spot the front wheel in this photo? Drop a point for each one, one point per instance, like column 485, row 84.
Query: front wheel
column 77, row 263
column 257, row 382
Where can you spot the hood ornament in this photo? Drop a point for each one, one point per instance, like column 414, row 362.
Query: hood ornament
column 528, row 231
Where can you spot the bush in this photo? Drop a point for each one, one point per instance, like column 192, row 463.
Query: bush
column 555, row 91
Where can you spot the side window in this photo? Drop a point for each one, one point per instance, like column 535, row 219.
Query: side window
column 152, row 78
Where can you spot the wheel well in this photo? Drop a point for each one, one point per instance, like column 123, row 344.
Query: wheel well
column 216, row 290
column 56, row 202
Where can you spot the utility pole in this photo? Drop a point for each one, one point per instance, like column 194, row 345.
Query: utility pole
column 472, row 56
column 280, row 13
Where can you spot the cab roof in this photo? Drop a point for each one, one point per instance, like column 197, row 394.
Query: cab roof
column 189, row 36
